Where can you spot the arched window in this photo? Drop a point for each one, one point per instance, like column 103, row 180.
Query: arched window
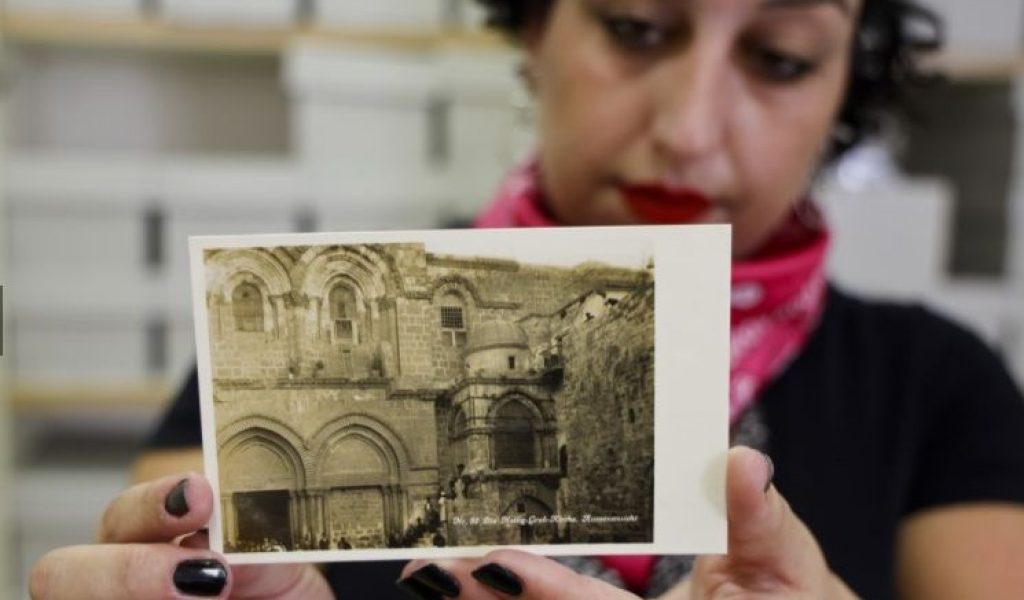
column 459, row 424
column 247, row 304
column 458, row 435
column 453, row 321
column 343, row 314
column 514, row 443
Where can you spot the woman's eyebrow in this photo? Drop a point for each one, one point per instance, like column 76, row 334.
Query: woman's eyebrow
column 842, row 5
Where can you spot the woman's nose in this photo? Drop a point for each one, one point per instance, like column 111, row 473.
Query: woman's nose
column 691, row 105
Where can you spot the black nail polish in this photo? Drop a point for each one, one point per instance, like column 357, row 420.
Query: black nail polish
column 200, row 577
column 176, row 504
column 439, row 580
column 499, row 578
column 417, row 590
column 771, row 472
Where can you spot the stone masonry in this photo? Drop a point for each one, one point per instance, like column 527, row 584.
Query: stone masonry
column 378, row 395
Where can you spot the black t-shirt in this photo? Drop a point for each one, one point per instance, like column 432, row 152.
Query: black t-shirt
column 889, row 410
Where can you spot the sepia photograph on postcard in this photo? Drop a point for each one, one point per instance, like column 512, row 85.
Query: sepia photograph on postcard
column 435, row 393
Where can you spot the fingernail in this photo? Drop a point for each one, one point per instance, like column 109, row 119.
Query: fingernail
column 499, row 578
column 417, row 590
column 176, row 504
column 200, row 577
column 771, row 472
column 439, row 580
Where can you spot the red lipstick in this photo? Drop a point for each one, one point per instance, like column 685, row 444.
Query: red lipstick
column 658, row 204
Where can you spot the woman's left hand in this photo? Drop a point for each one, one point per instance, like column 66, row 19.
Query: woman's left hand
column 772, row 555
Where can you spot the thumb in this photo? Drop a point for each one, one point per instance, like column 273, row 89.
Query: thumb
column 765, row 536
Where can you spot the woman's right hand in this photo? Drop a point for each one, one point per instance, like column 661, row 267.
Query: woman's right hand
column 151, row 544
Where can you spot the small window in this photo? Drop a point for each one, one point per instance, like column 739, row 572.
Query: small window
column 451, row 317
column 247, row 305
column 343, row 330
column 511, row 363
column 343, row 314
column 453, row 323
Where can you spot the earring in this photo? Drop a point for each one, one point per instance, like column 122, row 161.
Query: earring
column 522, row 99
column 842, row 135
column 526, row 75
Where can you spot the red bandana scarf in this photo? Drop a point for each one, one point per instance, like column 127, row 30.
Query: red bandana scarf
column 777, row 299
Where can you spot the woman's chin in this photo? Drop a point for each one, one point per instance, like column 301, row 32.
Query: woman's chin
column 707, row 216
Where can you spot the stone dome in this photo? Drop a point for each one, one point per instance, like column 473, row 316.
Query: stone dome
column 496, row 334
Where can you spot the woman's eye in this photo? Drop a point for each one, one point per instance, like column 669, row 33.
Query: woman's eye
column 778, row 66
column 634, row 34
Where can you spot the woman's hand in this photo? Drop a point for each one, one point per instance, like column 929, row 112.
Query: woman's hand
column 772, row 555
column 150, row 545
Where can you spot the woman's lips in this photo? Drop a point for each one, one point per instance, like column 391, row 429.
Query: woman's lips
column 661, row 205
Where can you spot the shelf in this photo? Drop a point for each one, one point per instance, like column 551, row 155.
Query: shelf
column 36, row 398
column 154, row 35
column 980, row 67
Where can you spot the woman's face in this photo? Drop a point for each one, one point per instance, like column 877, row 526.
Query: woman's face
column 657, row 111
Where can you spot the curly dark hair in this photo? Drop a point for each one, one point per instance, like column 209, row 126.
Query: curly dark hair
column 891, row 37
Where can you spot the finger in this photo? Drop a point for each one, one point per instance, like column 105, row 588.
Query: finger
column 269, row 581
column 431, row 580
column 505, row 574
column 299, row 582
column 158, row 511
column 764, row 533
column 129, row 571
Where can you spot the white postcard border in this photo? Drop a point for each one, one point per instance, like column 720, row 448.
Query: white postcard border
column 692, row 290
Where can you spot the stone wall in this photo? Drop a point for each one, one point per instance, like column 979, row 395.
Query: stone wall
column 307, row 416
column 250, row 355
column 606, row 418
column 358, row 516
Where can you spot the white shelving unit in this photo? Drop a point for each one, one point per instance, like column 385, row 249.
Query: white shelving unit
column 385, row 130
column 258, row 13
column 7, row 585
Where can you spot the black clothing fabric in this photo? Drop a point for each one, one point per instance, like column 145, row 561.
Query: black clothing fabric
column 889, row 410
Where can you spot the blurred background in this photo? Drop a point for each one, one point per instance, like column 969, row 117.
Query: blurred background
column 131, row 124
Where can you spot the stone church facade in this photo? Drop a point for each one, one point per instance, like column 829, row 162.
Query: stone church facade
column 379, row 395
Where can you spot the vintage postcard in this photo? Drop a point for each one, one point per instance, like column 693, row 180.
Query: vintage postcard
column 439, row 393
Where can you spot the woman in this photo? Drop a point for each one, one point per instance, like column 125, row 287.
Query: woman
column 897, row 436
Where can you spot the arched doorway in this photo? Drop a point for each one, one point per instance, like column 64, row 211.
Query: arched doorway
column 260, row 472
column 365, row 499
column 534, row 524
